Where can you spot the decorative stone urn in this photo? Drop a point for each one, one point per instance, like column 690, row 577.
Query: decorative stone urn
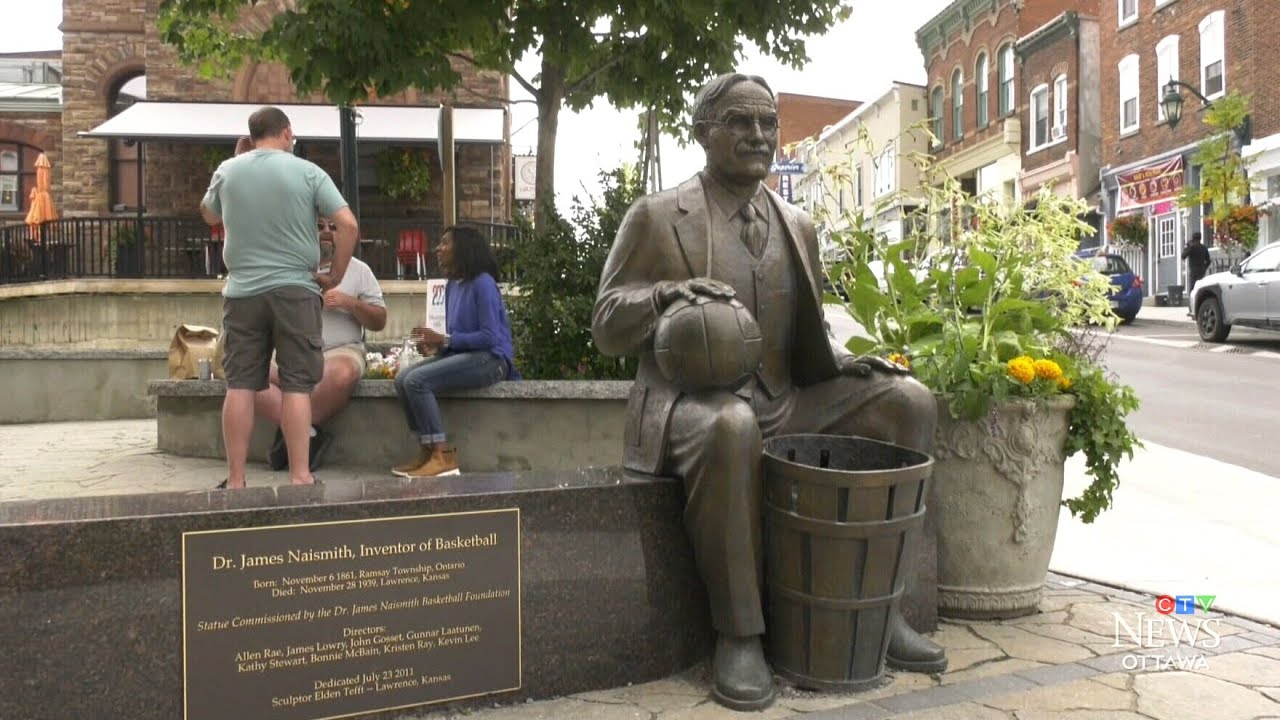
column 996, row 495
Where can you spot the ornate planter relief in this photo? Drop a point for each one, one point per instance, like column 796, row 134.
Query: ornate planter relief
column 997, row 490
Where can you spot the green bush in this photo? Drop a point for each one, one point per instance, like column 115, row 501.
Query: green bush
column 559, row 271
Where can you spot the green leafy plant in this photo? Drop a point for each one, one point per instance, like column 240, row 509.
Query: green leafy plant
column 211, row 156
column 404, row 174
column 1224, row 183
column 560, row 267
column 1130, row 230
column 1003, row 309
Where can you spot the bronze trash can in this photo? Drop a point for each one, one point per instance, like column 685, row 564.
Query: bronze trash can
column 837, row 512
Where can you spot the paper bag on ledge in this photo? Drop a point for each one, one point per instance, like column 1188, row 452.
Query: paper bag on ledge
column 190, row 345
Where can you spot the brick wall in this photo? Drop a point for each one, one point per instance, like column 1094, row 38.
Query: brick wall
column 1250, row 68
column 1041, row 67
column 968, row 29
column 105, row 41
column 805, row 116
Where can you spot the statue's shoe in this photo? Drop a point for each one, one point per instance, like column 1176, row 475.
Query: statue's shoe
column 912, row 652
column 742, row 679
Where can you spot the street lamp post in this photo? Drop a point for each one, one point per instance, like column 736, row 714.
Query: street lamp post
column 1172, row 102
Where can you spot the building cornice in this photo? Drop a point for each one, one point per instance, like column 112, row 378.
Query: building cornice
column 956, row 17
column 1065, row 25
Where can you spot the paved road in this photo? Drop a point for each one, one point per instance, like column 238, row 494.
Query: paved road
column 1219, row 401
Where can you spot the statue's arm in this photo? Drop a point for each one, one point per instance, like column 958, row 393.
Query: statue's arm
column 627, row 306
column 809, row 238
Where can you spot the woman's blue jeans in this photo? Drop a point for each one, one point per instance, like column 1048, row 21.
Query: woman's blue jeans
column 417, row 387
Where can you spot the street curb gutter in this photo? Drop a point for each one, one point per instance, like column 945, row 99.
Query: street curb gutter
column 1145, row 594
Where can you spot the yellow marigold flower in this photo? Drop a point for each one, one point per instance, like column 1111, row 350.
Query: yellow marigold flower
column 900, row 359
column 1022, row 369
column 1048, row 370
column 1064, row 383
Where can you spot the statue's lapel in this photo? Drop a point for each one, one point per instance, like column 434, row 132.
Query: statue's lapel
column 797, row 242
column 692, row 226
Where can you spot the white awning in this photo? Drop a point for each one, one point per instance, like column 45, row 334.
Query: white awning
column 201, row 122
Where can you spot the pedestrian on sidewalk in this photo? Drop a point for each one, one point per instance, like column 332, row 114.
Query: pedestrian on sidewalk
column 269, row 201
column 1197, row 257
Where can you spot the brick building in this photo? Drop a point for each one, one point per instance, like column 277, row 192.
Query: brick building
column 113, row 57
column 30, row 124
column 1217, row 46
column 1061, row 142
column 974, row 86
column 802, row 117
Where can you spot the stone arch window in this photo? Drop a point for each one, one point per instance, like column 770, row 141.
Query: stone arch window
column 17, row 175
column 122, row 163
column 981, row 79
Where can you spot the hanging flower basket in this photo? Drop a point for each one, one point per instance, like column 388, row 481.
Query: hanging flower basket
column 1130, row 230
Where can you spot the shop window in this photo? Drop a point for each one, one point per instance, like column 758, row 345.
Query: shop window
column 123, row 154
column 17, row 176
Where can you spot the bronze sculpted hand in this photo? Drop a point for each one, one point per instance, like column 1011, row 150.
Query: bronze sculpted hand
column 865, row 365
column 665, row 292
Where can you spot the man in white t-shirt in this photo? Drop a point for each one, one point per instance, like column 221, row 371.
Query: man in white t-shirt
column 352, row 307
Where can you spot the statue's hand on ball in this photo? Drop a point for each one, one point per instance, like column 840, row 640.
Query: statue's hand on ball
column 707, row 343
column 667, row 291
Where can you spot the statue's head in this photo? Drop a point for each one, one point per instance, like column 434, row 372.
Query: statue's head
column 735, row 120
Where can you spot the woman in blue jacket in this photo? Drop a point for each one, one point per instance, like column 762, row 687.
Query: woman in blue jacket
column 476, row 351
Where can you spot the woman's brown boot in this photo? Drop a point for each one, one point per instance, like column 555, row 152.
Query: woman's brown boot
column 424, row 454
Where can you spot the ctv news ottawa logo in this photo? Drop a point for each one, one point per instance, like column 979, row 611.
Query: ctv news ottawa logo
column 1173, row 637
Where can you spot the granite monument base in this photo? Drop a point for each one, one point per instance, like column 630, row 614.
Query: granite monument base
column 92, row 605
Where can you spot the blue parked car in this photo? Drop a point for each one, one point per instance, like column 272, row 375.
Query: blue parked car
column 1126, row 286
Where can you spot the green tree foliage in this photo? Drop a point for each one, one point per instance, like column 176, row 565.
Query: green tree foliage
column 560, row 268
column 648, row 53
column 1223, row 174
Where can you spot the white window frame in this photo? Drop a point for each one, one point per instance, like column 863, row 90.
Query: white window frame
column 857, row 185
column 1005, row 74
column 1060, row 114
column 1166, row 69
column 1132, row 17
column 9, row 173
column 1129, row 70
column 885, row 173
column 1039, row 95
column 1166, row 234
column 1162, row 3
column 957, row 105
column 1213, row 48
column 982, row 91
column 938, row 111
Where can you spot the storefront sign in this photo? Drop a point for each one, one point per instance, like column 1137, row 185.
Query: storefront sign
column 1151, row 184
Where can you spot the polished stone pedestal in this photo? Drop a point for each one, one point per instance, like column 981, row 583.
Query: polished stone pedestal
column 91, row 589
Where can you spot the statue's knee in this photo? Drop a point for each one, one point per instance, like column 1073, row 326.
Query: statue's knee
column 730, row 423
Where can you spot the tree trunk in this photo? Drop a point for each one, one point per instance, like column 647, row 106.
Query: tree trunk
column 550, row 100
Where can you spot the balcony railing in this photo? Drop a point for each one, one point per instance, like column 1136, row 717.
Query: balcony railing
column 180, row 247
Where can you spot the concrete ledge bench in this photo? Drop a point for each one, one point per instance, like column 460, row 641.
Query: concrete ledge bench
column 54, row 384
column 521, row 425
column 92, row 592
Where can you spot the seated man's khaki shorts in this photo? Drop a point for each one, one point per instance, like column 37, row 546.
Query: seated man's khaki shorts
column 284, row 319
column 355, row 351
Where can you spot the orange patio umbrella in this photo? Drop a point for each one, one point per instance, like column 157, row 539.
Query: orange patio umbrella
column 42, row 210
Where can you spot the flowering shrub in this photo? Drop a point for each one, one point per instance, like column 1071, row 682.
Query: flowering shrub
column 1001, row 310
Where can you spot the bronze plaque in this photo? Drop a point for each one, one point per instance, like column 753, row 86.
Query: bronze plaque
column 325, row 620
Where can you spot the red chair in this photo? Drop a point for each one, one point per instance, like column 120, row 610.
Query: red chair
column 412, row 250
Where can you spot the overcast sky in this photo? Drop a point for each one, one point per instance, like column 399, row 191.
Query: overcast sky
column 855, row 60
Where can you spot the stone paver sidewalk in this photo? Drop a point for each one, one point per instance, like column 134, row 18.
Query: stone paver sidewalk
column 1063, row 663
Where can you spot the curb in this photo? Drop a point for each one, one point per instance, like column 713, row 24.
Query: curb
column 1188, row 323
column 1113, row 585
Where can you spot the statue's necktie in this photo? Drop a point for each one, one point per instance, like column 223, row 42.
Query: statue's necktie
column 753, row 229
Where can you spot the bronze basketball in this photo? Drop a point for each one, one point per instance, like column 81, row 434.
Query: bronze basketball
column 710, row 344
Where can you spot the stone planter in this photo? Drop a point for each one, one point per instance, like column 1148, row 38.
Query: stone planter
column 997, row 490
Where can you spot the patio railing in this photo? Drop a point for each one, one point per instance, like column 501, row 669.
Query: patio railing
column 186, row 247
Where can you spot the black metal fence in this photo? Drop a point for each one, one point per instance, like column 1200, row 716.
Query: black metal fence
column 181, row 247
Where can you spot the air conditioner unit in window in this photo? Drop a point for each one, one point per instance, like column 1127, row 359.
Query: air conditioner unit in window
column 1058, row 132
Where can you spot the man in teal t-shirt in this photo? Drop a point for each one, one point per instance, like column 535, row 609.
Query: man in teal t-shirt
column 268, row 200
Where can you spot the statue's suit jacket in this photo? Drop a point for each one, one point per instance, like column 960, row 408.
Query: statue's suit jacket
column 667, row 236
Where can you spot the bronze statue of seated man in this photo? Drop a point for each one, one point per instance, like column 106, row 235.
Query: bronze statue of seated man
column 722, row 234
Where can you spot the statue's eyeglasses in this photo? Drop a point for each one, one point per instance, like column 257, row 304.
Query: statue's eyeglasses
column 742, row 123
